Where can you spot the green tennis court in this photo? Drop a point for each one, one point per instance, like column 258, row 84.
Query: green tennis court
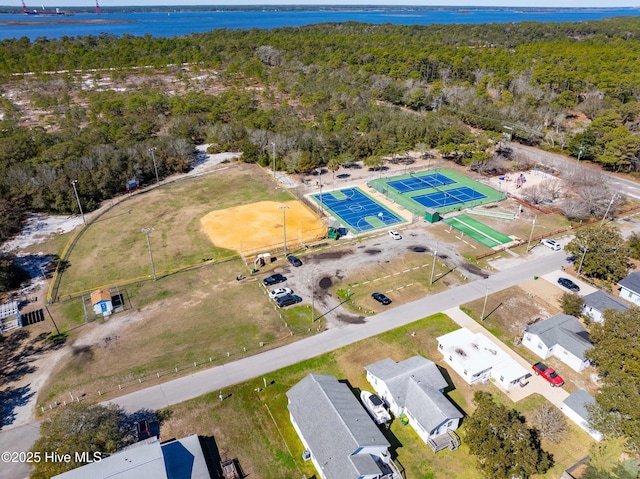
column 478, row 231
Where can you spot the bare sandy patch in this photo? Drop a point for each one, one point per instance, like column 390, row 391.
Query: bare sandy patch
column 260, row 226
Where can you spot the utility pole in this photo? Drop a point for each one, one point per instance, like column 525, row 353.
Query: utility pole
column 579, row 153
column 152, row 150
column 146, row 231
column 484, row 306
column 584, row 253
column 433, row 266
column 613, row 198
column 284, row 209
column 533, row 225
column 74, row 183
column 313, row 294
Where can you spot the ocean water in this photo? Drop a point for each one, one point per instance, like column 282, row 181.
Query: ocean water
column 169, row 24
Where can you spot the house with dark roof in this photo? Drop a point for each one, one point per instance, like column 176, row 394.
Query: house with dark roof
column 415, row 387
column 630, row 288
column 177, row 459
column 595, row 304
column 575, row 408
column 342, row 440
column 561, row 336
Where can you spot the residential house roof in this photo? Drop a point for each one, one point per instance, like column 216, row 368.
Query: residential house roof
column 179, row 459
column 478, row 353
column 631, row 282
column 578, row 402
column 601, row 301
column 100, row 295
column 396, row 374
column 416, row 384
column 334, row 425
column 564, row 330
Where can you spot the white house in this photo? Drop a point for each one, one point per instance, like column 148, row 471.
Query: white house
column 561, row 336
column 181, row 458
column 630, row 288
column 575, row 408
column 415, row 387
column 595, row 304
column 477, row 359
column 102, row 302
column 342, row 439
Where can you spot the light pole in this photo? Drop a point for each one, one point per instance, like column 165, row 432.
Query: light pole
column 579, row 153
column 273, row 158
column 321, row 203
column 433, row 266
column 146, row 231
column 284, row 209
column 484, row 306
column 533, row 225
column 152, row 150
column 613, row 198
column 74, row 183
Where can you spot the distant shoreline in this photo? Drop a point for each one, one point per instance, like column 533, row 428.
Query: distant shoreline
column 67, row 22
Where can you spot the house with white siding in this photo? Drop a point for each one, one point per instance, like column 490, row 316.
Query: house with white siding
column 595, row 304
column 630, row 288
column 415, row 387
column 575, row 408
column 561, row 336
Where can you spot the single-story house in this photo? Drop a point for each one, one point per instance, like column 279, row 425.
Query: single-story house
column 415, row 387
column 342, row 440
column 595, row 304
column 102, row 302
column 10, row 317
column 561, row 336
column 575, row 408
column 630, row 288
column 177, row 459
column 477, row 359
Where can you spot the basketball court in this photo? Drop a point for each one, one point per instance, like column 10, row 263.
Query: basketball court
column 356, row 210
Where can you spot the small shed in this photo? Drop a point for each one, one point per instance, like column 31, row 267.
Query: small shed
column 102, row 302
column 431, row 215
column 575, row 408
column 10, row 317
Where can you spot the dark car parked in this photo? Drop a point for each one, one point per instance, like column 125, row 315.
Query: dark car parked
column 294, row 261
column 567, row 283
column 381, row 298
column 287, row 300
column 274, row 279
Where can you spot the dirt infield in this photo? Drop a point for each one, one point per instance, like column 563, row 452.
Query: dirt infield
column 258, row 227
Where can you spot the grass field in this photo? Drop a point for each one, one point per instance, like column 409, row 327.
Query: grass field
column 254, row 426
column 199, row 315
column 114, row 248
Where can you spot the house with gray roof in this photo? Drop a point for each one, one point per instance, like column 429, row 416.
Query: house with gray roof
column 177, row 459
column 415, row 387
column 342, row 440
column 630, row 288
column 561, row 336
column 575, row 408
column 595, row 304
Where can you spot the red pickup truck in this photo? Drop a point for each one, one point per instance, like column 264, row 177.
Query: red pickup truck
column 549, row 374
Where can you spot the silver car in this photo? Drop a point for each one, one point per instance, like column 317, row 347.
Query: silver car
column 276, row 293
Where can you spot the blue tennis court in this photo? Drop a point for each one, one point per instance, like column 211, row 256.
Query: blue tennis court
column 449, row 197
column 358, row 211
column 422, row 182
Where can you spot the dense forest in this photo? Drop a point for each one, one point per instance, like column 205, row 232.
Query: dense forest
column 102, row 109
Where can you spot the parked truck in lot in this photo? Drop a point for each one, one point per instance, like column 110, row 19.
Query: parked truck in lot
column 550, row 374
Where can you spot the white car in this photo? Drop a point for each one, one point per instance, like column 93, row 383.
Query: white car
column 551, row 244
column 395, row 235
column 276, row 293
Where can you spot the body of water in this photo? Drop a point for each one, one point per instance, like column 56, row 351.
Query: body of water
column 169, row 24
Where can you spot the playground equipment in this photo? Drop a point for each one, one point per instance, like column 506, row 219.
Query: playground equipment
column 262, row 259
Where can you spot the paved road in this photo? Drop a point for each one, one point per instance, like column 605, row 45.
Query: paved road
column 565, row 163
column 222, row 378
